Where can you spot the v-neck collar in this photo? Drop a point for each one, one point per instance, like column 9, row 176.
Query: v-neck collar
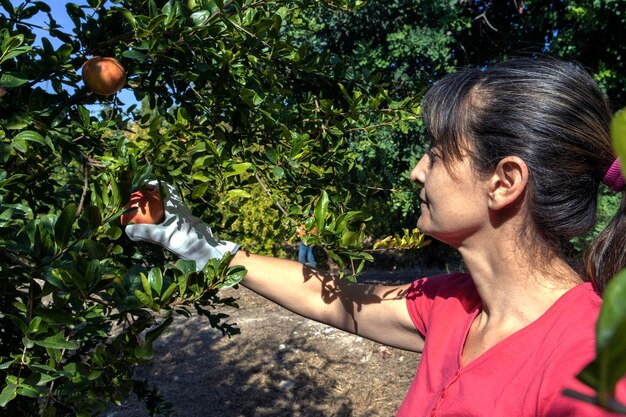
column 514, row 337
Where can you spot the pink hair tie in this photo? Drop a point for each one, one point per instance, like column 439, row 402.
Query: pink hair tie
column 614, row 178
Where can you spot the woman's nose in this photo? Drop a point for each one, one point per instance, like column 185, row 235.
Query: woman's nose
column 418, row 174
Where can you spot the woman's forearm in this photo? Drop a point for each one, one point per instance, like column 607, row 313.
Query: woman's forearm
column 375, row 312
column 297, row 287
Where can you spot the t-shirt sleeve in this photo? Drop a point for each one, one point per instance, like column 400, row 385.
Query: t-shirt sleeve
column 424, row 295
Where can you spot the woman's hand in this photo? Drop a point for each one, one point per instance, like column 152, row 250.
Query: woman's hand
column 181, row 232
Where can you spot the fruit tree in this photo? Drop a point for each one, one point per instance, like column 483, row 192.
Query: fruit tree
column 224, row 103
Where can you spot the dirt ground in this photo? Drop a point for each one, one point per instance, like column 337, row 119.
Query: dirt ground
column 280, row 365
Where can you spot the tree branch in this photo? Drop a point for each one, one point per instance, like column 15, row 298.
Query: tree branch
column 483, row 16
column 269, row 194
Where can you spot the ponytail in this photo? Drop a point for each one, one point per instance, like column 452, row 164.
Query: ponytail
column 606, row 255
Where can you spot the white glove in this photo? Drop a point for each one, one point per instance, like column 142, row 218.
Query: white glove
column 181, row 232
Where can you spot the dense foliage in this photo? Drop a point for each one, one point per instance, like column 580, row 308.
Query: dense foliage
column 228, row 106
column 413, row 43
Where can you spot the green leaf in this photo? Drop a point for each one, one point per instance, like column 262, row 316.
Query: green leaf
column 272, row 155
column 27, row 342
column 345, row 93
column 55, row 316
column 8, row 393
column 146, row 285
column 33, row 327
column 30, row 136
column 63, row 225
column 44, row 238
column 186, row 266
column 156, row 22
column 8, row 7
column 146, row 352
column 152, row 8
column 56, row 342
column 167, row 294
column 20, row 145
column 84, row 115
column 321, row 210
column 234, row 275
column 131, row 19
column 350, row 239
column 91, row 215
column 145, row 299
column 200, row 176
column 30, row 391
column 278, row 172
column 12, row 79
column 155, row 278
column 251, row 97
column 62, row 278
column 199, row 190
column 237, row 169
column 93, row 274
column 612, row 313
column 238, row 194
column 64, row 52
column 618, row 135
column 135, row 55
column 12, row 180
column 15, row 52
column 155, row 333
column 200, row 18
column 611, row 327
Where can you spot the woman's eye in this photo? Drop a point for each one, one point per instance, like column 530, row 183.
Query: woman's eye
column 431, row 157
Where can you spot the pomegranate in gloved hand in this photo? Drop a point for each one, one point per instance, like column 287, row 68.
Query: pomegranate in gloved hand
column 149, row 208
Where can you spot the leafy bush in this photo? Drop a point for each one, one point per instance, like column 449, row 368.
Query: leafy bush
column 258, row 224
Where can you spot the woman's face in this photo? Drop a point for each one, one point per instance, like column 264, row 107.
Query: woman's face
column 454, row 200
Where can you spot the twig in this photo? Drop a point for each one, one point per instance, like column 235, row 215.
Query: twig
column 15, row 259
column 370, row 127
column 483, row 16
column 269, row 194
column 391, row 190
column 44, row 406
column 85, row 185
column 100, row 301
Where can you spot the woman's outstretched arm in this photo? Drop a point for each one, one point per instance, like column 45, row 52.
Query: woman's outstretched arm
column 375, row 312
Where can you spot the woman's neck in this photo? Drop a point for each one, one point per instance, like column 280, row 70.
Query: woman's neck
column 515, row 291
column 512, row 283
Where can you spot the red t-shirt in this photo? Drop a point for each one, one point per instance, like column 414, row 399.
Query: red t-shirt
column 523, row 375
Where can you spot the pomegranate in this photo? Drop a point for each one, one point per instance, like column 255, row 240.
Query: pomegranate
column 150, row 209
column 103, row 75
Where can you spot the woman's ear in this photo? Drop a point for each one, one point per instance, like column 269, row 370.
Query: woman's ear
column 508, row 182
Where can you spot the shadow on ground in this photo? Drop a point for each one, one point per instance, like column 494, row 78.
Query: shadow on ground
column 280, row 365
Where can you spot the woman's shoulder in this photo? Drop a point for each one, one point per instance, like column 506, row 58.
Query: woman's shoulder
column 443, row 288
column 581, row 304
column 442, row 283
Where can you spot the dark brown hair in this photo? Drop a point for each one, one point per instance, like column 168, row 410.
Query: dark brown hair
column 551, row 114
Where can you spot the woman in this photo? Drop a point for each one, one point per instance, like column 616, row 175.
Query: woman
column 519, row 150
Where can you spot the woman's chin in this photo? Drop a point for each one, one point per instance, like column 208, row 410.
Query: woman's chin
column 422, row 226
